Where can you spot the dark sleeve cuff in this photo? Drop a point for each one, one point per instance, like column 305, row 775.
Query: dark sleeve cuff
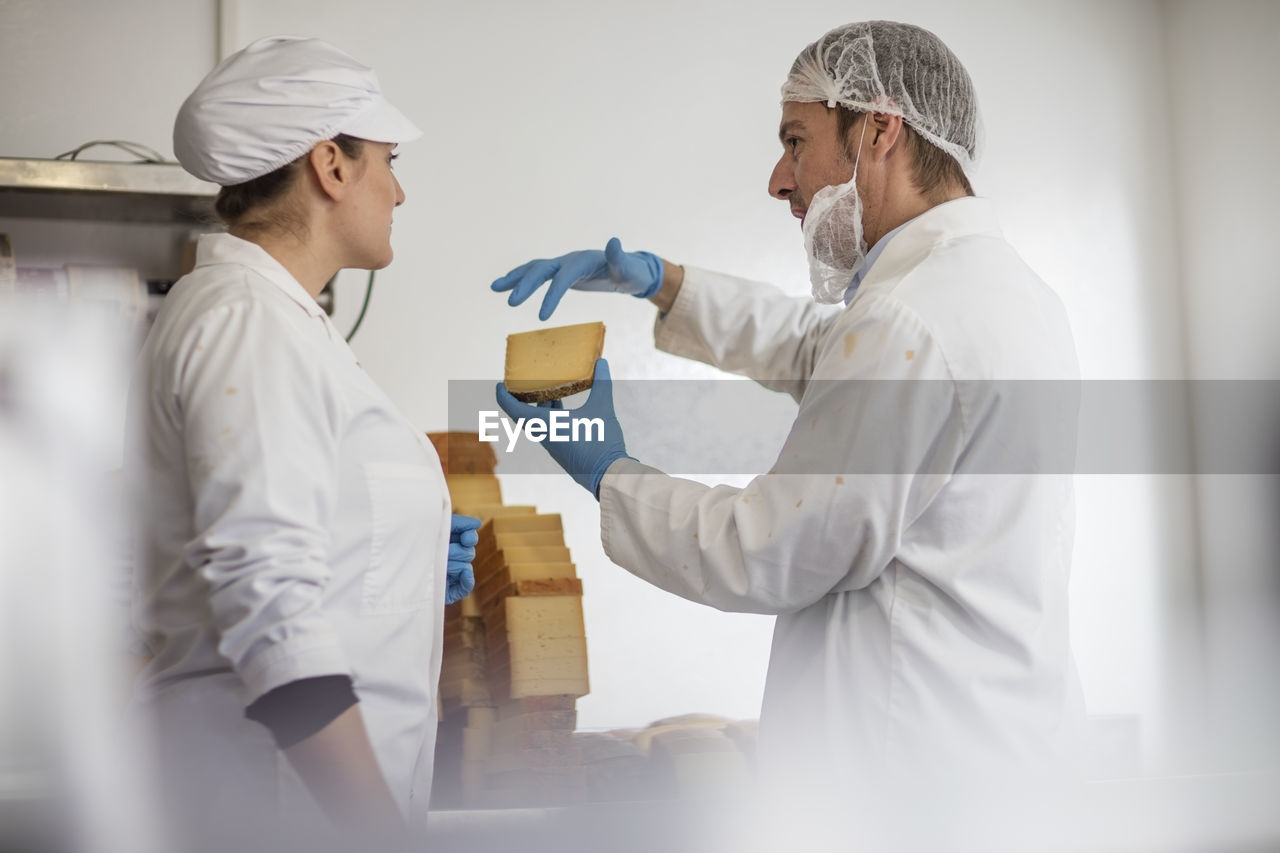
column 297, row 710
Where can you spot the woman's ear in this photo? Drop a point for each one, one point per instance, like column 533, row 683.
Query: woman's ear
column 331, row 168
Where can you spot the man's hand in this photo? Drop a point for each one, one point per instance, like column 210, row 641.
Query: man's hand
column 462, row 550
column 613, row 270
column 585, row 460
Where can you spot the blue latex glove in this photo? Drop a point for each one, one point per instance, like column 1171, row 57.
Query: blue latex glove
column 585, row 460
column 460, row 579
column 613, row 270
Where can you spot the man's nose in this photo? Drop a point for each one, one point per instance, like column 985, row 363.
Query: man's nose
column 783, row 180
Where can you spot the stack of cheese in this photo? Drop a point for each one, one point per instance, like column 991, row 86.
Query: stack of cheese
column 466, row 702
column 468, row 468
column 536, row 651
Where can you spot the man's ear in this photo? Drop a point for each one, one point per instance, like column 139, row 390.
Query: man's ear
column 886, row 133
column 331, row 168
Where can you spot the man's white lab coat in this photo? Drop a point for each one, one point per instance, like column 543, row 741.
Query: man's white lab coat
column 917, row 571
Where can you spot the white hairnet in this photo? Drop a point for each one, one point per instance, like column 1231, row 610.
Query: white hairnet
column 898, row 69
column 269, row 104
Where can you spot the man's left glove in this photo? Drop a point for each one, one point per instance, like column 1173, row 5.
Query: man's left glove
column 462, row 550
column 586, row 459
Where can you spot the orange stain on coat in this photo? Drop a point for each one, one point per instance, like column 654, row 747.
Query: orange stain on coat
column 839, row 480
column 799, row 502
column 231, row 391
column 850, row 341
column 911, row 354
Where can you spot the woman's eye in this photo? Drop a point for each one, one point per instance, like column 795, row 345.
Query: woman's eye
column 391, row 160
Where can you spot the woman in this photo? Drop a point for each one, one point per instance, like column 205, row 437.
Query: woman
column 292, row 563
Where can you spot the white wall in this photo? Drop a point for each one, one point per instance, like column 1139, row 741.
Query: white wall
column 555, row 125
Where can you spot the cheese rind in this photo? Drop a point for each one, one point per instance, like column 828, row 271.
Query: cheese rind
column 548, row 364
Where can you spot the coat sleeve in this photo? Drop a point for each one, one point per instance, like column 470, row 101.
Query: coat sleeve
column 261, row 426
column 745, row 327
column 877, row 436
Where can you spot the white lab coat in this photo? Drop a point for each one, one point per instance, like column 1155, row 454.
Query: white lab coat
column 294, row 524
column 921, row 599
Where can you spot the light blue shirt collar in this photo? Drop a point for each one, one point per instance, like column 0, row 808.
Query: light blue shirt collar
column 871, row 259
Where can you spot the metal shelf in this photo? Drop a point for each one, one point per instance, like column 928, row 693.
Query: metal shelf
column 119, row 192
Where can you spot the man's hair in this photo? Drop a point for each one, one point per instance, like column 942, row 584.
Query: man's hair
column 932, row 170
column 242, row 204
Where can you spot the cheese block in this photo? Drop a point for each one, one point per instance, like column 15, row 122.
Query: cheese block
column 570, row 668
column 467, row 692
column 463, row 632
column 548, row 364
column 538, row 705
column 470, row 607
column 519, row 555
column 500, row 570
column 475, row 743
column 542, row 686
column 463, row 657
column 497, row 586
column 536, row 721
column 526, row 660
column 529, row 539
column 481, row 718
column 473, row 489
column 463, row 452
column 546, row 616
column 537, row 648
column 512, row 740
column 600, row 746
column 484, row 512
column 518, row 524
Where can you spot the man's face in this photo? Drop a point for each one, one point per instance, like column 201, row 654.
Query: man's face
column 813, row 155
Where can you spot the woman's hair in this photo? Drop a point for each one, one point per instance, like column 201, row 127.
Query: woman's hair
column 250, row 205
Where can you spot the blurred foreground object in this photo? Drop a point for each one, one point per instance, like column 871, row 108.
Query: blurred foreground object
column 68, row 780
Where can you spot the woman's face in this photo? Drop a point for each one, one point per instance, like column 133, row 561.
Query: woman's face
column 375, row 195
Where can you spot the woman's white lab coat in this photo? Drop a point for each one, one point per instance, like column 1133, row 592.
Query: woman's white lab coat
column 917, row 566
column 294, row 524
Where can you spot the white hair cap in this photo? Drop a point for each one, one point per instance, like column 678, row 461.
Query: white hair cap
column 898, row 69
column 270, row 103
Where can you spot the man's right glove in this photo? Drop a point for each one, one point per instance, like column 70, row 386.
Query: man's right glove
column 613, row 270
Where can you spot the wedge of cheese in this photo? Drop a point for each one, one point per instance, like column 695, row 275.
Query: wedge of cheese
column 549, row 364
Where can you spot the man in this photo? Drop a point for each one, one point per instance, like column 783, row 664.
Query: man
column 918, row 575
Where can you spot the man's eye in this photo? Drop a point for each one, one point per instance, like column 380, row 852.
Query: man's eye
column 792, row 142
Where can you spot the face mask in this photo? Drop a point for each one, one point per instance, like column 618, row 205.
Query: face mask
column 833, row 239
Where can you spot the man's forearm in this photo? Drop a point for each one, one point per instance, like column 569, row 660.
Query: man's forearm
column 672, row 279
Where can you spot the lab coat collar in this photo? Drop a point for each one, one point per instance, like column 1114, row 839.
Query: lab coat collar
column 962, row 217
column 227, row 249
